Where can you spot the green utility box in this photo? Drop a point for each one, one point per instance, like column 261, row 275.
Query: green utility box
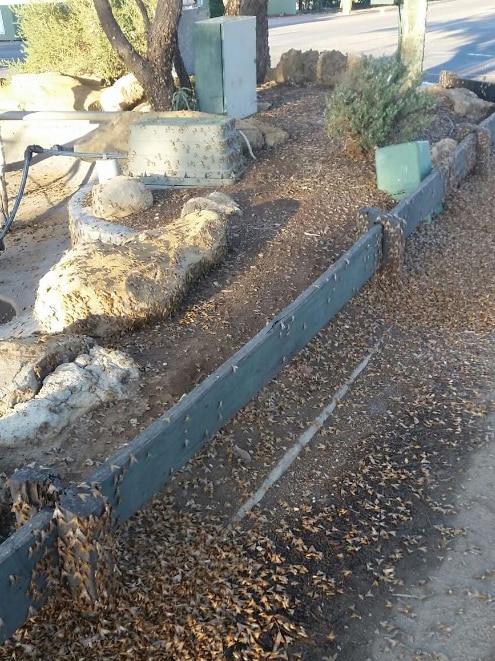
column 281, row 7
column 401, row 168
column 8, row 24
column 225, row 65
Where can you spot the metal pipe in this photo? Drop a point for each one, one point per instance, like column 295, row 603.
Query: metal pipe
column 43, row 116
column 58, row 150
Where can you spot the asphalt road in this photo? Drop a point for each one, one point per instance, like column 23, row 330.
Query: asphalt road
column 10, row 50
column 460, row 35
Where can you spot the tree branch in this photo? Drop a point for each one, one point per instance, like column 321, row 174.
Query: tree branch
column 144, row 14
column 124, row 49
column 179, row 66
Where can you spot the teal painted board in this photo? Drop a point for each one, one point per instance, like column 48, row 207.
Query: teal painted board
column 208, row 69
column 465, row 158
column 421, row 203
column 18, row 557
column 136, row 472
column 489, row 123
column 401, row 168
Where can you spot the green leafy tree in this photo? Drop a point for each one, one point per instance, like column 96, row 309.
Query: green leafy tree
column 153, row 68
column 67, row 37
column 106, row 39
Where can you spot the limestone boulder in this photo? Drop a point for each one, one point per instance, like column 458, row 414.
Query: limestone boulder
column 101, row 289
column 440, row 93
column 331, row 68
column 51, row 91
column 120, row 197
column 261, row 135
column 214, row 201
column 442, row 150
column 273, row 135
column 124, row 94
column 71, row 390
column 467, row 104
column 353, row 61
column 26, row 363
column 251, row 133
column 296, row 66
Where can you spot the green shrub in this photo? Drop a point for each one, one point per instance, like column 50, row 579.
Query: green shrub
column 376, row 105
column 216, row 8
column 184, row 99
column 67, row 37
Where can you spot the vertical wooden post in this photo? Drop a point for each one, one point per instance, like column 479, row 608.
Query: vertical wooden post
column 412, row 35
column 85, row 544
column 82, row 516
column 393, row 241
column 33, row 488
column 483, row 146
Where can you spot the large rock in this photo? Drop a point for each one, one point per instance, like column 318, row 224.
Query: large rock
column 214, row 201
column 296, row 66
column 51, row 91
column 260, row 135
column 124, row 94
column 467, row 104
column 331, row 68
column 272, row 135
column 442, row 150
column 100, row 289
column 26, row 363
column 253, row 134
column 120, row 197
column 73, row 389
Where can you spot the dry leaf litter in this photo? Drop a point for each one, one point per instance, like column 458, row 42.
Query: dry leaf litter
column 373, row 489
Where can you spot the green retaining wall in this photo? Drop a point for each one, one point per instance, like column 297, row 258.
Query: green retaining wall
column 134, row 474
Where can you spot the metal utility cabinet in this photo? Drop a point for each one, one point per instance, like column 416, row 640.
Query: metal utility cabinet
column 225, row 65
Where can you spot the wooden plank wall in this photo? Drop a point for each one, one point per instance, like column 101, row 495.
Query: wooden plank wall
column 25, row 562
column 138, row 470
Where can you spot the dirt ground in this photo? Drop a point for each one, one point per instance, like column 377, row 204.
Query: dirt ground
column 314, row 571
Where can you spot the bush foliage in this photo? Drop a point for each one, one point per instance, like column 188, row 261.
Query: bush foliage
column 376, row 105
column 216, row 8
column 67, row 37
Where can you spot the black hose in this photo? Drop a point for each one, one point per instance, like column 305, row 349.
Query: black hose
column 56, row 150
column 28, row 155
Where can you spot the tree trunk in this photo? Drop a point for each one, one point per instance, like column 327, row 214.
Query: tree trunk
column 346, row 6
column 258, row 8
column 154, row 70
column 180, row 67
column 412, row 36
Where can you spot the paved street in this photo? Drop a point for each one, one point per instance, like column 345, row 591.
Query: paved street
column 460, row 35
